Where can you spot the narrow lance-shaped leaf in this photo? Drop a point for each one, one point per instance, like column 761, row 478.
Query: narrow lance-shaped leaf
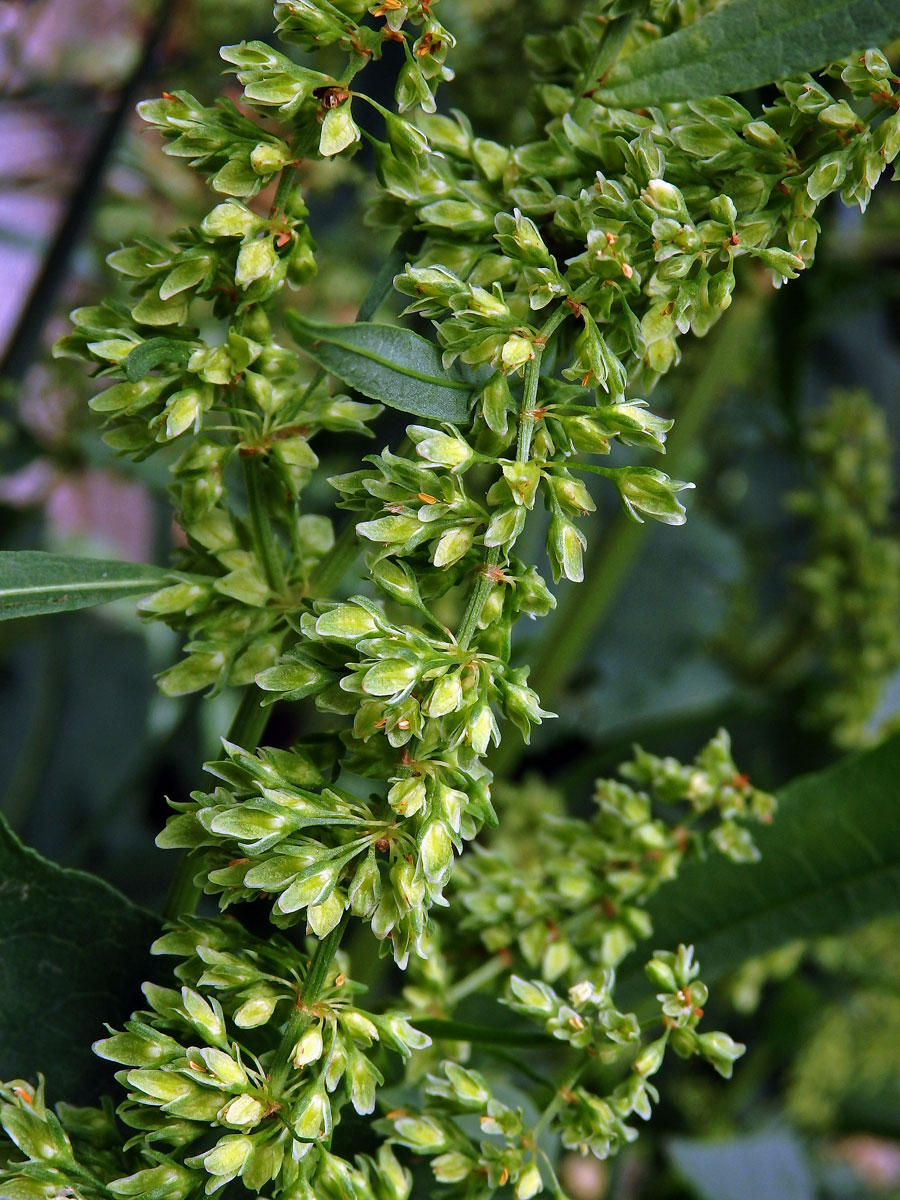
column 32, row 582
column 829, row 860
column 386, row 363
column 746, row 44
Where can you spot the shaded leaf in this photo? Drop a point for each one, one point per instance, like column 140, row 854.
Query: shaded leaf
column 152, row 353
column 32, row 582
column 389, row 364
column 830, row 860
column 745, row 1168
column 74, row 954
column 746, row 44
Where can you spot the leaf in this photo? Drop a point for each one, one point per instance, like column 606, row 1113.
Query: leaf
column 830, row 860
column 74, row 954
column 746, row 44
column 32, row 582
column 150, row 354
column 389, row 364
column 745, row 1168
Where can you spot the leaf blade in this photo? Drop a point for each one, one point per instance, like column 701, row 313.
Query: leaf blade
column 33, row 582
column 829, row 861
column 74, row 953
column 747, row 44
column 386, row 363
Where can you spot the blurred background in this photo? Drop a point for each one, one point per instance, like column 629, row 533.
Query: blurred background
column 774, row 612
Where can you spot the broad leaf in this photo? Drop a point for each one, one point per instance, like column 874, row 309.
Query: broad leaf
column 32, row 582
column 74, row 954
column 745, row 1168
column 152, row 353
column 387, row 363
column 830, row 860
column 746, row 44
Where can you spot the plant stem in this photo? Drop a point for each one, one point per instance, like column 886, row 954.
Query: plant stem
column 490, row 1035
column 582, row 609
column 558, row 1100
column 527, row 420
column 489, row 970
column 246, row 730
column 301, row 1017
column 477, row 599
column 263, row 536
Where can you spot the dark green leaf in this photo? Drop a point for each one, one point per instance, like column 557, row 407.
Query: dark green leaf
column 745, row 1168
column 151, row 353
column 746, row 44
column 830, row 860
column 32, row 582
column 74, row 954
column 387, row 363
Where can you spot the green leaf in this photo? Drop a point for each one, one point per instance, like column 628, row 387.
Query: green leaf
column 389, row 364
column 32, row 582
column 74, row 953
column 746, row 44
column 745, row 1168
column 830, row 860
column 150, row 354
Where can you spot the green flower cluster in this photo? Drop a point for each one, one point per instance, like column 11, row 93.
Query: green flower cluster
column 262, row 1047
column 567, row 895
column 850, row 583
column 621, row 229
column 588, row 1022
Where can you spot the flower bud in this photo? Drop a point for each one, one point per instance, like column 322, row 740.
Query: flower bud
column 312, row 1120
column 452, row 545
column 505, row 526
column 266, row 157
column 523, row 480
column 420, row 1134
column 720, row 1051
column 205, row 1015
column 244, row 1111
column 255, row 260
column 309, row 1048
column 346, row 622
column 436, row 853
column 517, row 351
column 446, row 695
column 529, row 1182
column 650, row 1058
column 565, row 545
column 452, row 1167
column 339, row 131
column 364, row 891
column 407, row 796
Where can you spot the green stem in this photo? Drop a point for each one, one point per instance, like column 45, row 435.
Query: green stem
column 582, row 610
column 472, row 982
column 246, row 730
column 558, row 1100
column 608, row 48
column 527, row 419
column 301, row 1016
column 489, row 1035
column 477, row 599
column 264, row 538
